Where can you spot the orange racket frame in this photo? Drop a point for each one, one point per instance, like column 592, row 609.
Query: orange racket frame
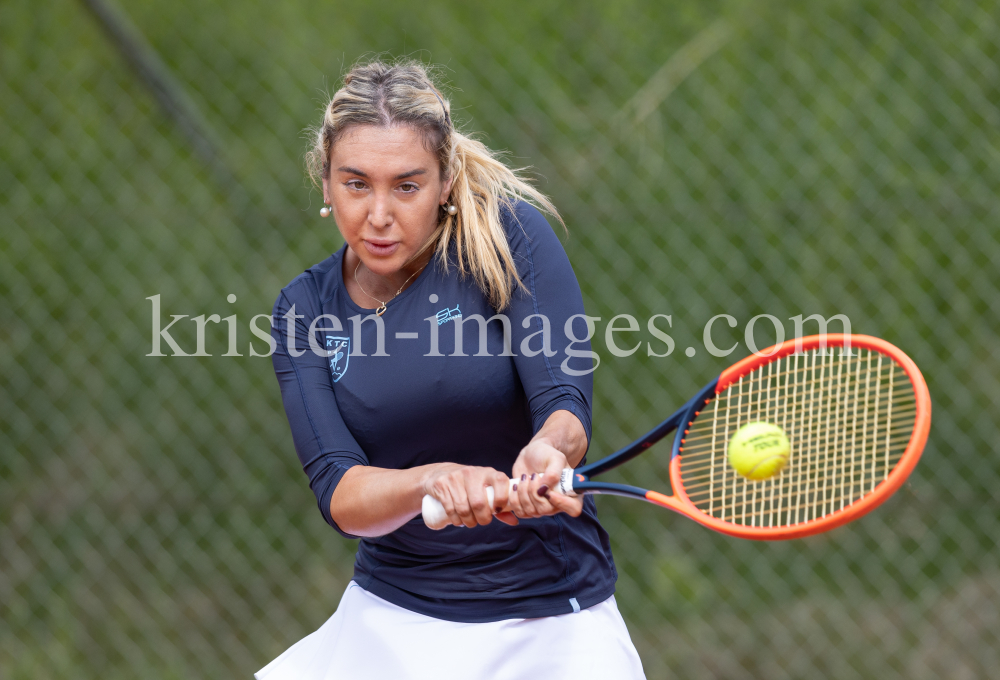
column 580, row 481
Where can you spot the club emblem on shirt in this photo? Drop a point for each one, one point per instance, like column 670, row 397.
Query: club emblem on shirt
column 338, row 350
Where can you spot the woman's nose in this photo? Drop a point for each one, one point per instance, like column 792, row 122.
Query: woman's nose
column 380, row 211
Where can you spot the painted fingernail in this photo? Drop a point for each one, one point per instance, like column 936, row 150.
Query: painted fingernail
column 524, row 477
column 532, row 476
column 543, row 490
column 514, row 488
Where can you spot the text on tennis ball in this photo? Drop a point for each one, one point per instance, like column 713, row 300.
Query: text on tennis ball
column 759, row 450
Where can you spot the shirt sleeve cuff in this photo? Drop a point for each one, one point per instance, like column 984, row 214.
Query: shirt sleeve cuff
column 326, row 483
column 566, row 403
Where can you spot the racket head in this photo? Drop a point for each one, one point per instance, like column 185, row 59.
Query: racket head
column 857, row 423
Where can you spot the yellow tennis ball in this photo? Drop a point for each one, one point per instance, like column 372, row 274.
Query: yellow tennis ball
column 759, row 450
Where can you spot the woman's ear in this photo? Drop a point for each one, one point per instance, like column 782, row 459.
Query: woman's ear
column 445, row 189
column 326, row 190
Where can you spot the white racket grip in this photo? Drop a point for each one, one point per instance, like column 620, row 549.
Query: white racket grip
column 436, row 518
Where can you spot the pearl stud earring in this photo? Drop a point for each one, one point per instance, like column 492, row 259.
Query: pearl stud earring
column 325, row 211
column 452, row 209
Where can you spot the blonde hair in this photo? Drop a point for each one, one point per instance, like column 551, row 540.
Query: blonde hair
column 402, row 94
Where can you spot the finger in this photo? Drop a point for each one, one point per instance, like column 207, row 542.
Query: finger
column 448, row 503
column 462, row 508
column 541, row 493
column 572, row 506
column 548, row 484
column 514, row 498
column 501, row 491
column 508, row 518
column 524, row 497
column 479, row 503
column 530, row 499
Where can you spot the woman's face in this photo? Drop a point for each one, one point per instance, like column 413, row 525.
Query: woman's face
column 385, row 189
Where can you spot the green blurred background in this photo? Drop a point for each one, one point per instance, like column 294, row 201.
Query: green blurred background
column 709, row 157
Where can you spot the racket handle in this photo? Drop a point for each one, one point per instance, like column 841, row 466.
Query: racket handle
column 436, row 518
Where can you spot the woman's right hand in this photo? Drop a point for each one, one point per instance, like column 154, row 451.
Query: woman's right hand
column 461, row 490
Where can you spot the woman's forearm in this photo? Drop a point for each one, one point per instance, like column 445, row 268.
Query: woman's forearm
column 372, row 501
column 564, row 432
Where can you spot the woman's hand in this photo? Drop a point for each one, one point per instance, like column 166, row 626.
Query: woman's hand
column 536, row 473
column 461, row 489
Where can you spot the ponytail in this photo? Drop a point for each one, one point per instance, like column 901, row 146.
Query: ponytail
column 483, row 187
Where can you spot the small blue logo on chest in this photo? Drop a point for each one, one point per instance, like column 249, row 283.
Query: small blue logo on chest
column 446, row 315
column 338, row 350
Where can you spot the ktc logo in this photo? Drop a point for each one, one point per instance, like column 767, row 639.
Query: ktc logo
column 339, row 352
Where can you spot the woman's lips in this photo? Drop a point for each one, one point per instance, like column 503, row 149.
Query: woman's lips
column 382, row 249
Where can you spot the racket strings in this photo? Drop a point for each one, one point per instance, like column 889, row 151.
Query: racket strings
column 871, row 419
column 821, row 387
column 755, row 384
column 694, row 475
column 848, row 418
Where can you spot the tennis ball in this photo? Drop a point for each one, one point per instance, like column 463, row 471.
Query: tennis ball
column 758, row 450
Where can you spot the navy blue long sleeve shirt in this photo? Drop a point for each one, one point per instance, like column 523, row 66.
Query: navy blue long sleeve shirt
column 408, row 394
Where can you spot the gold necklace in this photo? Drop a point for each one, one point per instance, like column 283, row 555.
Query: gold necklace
column 381, row 308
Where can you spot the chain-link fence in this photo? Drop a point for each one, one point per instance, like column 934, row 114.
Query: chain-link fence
column 779, row 157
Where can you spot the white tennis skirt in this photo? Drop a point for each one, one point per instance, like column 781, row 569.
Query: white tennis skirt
column 368, row 638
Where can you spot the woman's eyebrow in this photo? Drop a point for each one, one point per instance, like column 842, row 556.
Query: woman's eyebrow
column 359, row 173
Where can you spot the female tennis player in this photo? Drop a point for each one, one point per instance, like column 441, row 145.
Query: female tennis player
column 429, row 355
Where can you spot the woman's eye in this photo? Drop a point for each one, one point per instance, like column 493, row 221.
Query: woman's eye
column 408, row 188
column 355, row 184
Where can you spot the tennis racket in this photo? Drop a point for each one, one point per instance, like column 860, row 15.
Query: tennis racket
column 856, row 412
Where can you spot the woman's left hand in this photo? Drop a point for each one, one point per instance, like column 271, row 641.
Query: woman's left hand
column 536, row 474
